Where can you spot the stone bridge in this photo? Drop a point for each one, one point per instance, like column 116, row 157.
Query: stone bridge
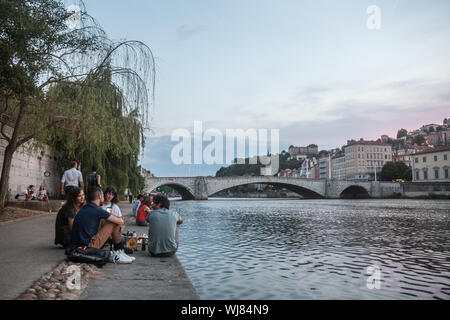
column 200, row 188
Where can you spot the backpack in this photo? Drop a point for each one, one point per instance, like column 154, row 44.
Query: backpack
column 92, row 180
column 88, row 255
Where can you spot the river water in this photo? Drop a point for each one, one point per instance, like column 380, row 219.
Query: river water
column 316, row 249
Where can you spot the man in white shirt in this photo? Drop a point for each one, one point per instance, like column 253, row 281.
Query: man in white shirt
column 72, row 178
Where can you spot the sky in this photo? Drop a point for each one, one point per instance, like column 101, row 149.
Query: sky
column 311, row 69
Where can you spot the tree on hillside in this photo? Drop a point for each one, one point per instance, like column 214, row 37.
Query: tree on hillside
column 395, row 170
column 419, row 140
column 56, row 80
column 402, row 133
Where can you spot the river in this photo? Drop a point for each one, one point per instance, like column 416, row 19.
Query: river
column 316, row 249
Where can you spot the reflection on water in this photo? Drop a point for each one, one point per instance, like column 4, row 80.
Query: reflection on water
column 316, row 249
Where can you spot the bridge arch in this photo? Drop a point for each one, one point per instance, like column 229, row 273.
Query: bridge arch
column 302, row 191
column 354, row 192
column 185, row 191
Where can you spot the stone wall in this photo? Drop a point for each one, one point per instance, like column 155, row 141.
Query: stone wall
column 415, row 189
column 32, row 167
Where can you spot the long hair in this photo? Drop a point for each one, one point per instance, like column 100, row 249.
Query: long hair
column 72, row 197
column 112, row 190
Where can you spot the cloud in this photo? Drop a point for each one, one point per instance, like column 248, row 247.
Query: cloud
column 186, row 31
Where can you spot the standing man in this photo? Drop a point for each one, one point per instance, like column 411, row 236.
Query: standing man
column 72, row 178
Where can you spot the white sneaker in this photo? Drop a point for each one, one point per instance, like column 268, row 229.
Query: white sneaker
column 122, row 253
column 116, row 257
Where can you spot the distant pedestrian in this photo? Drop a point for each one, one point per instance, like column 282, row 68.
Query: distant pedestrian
column 93, row 179
column 130, row 196
column 72, row 179
column 137, row 204
column 163, row 229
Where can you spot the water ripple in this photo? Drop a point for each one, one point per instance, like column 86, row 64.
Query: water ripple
column 316, row 249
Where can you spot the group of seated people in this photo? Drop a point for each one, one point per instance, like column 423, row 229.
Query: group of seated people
column 94, row 222
column 30, row 194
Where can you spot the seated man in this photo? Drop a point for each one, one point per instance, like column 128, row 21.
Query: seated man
column 27, row 194
column 163, row 230
column 93, row 226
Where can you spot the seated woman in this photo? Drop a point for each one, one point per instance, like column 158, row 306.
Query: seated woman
column 64, row 219
column 110, row 201
column 42, row 194
column 143, row 211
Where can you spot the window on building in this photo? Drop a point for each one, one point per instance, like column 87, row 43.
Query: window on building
column 445, row 157
column 435, row 158
column 417, row 175
column 436, row 173
column 425, row 175
column 424, row 159
column 416, row 160
column 385, row 156
column 446, row 173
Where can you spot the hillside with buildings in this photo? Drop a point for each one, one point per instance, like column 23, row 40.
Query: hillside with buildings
column 364, row 160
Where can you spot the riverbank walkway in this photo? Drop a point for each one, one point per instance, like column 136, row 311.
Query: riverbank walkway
column 28, row 253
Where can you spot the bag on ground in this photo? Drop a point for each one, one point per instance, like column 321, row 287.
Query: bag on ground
column 88, row 255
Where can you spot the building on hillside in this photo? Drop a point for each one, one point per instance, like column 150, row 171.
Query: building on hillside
column 404, row 154
column 310, row 150
column 364, row 159
column 432, row 165
column 430, row 127
column 446, row 122
column 437, row 138
column 338, row 167
column 325, row 168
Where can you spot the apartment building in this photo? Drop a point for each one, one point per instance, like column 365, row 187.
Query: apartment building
column 432, row 165
column 364, row 159
column 338, row 167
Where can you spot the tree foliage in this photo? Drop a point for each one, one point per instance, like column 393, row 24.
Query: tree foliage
column 73, row 88
column 395, row 170
column 402, row 133
column 255, row 169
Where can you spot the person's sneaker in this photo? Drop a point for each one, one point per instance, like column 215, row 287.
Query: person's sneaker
column 116, row 257
column 122, row 253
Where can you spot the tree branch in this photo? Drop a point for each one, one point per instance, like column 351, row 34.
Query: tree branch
column 3, row 133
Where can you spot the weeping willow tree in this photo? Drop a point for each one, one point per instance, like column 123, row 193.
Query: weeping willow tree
column 64, row 82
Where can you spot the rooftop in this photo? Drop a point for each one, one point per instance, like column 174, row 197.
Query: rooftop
column 433, row 150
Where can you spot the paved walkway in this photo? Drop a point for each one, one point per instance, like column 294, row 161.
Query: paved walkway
column 28, row 252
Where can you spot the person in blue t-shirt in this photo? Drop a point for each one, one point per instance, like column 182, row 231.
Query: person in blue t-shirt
column 93, row 226
column 136, row 204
